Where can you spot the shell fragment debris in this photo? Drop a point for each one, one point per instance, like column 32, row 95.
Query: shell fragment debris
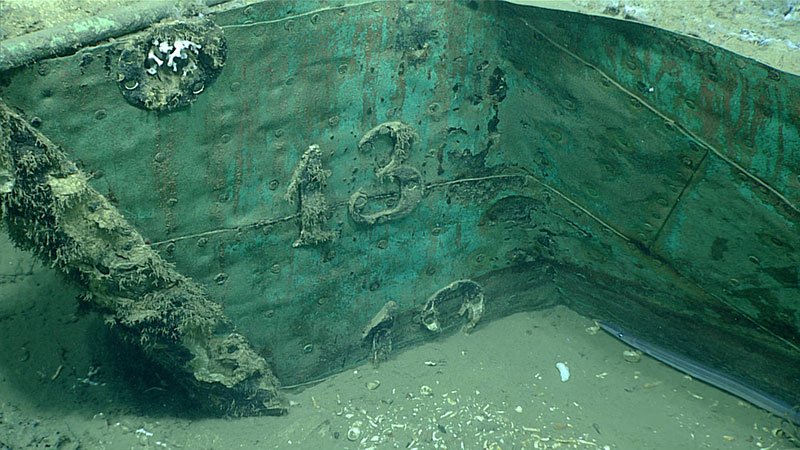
column 563, row 370
column 632, row 356
column 354, row 432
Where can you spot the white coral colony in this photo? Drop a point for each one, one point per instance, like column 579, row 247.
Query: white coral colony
column 171, row 53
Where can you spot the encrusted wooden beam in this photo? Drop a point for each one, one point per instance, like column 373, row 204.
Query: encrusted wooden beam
column 48, row 207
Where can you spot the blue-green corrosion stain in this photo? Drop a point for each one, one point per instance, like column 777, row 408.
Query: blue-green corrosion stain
column 673, row 243
column 397, row 272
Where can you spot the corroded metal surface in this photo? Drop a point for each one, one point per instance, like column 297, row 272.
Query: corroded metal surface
column 558, row 158
column 703, row 179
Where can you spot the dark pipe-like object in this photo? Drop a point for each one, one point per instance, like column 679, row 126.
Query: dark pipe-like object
column 65, row 39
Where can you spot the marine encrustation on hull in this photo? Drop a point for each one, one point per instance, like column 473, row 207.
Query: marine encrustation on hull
column 306, row 189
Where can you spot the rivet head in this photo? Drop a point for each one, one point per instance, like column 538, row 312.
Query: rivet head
column 773, row 75
column 220, row 278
